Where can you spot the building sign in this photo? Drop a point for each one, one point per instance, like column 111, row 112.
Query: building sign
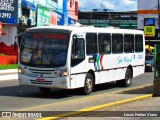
column 0, row 28
column 149, row 27
column 85, row 21
column 43, row 16
column 60, row 18
column 9, row 11
column 149, row 31
column 149, row 21
column 70, row 21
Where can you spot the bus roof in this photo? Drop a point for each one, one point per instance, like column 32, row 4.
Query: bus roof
column 79, row 29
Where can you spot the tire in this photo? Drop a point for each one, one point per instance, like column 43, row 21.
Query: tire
column 127, row 81
column 44, row 90
column 88, row 85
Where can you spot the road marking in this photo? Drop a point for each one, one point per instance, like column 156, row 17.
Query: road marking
column 86, row 97
column 96, row 107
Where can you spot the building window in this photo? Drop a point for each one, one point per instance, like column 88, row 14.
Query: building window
column 54, row 1
column 76, row 8
column 70, row 3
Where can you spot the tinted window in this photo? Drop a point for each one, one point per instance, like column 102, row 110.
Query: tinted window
column 128, row 43
column 104, row 43
column 117, row 43
column 138, row 43
column 91, row 43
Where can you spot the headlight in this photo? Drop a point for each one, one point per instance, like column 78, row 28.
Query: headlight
column 64, row 73
column 148, row 65
column 21, row 71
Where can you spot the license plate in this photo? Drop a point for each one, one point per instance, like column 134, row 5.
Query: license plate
column 40, row 80
column 34, row 75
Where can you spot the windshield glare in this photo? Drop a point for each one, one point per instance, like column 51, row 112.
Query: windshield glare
column 44, row 50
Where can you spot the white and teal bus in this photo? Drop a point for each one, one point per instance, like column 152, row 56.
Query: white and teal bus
column 72, row 57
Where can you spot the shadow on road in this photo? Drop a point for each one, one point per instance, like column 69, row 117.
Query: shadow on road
column 144, row 90
column 33, row 92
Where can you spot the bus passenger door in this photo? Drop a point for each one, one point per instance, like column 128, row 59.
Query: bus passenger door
column 77, row 62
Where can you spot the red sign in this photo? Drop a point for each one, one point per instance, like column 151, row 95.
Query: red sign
column 0, row 28
column 53, row 18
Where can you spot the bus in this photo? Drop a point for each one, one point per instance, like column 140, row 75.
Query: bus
column 71, row 57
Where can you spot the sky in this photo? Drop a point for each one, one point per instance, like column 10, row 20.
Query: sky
column 116, row 5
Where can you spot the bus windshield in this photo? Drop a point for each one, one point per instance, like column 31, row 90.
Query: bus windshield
column 44, row 49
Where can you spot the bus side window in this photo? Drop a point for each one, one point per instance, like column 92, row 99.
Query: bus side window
column 117, row 43
column 138, row 43
column 104, row 41
column 91, row 43
column 128, row 43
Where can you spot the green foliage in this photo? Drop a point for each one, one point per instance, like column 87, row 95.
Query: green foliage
column 9, row 66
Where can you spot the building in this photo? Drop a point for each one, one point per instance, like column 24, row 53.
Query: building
column 109, row 18
column 18, row 15
column 149, row 20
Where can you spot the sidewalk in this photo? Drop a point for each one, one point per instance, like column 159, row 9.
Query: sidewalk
column 10, row 74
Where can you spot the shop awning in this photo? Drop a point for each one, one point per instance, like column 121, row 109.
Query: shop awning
column 28, row 5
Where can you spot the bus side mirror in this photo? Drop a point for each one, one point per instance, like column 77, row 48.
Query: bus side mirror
column 19, row 38
column 74, row 46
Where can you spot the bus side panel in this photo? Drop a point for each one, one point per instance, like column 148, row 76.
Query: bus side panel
column 120, row 64
column 94, row 67
column 78, row 75
column 106, row 74
column 138, row 67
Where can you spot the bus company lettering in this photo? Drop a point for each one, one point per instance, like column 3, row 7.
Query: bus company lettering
column 124, row 60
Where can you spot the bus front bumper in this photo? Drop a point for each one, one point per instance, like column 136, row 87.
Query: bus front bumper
column 60, row 82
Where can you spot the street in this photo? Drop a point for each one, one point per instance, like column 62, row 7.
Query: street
column 14, row 97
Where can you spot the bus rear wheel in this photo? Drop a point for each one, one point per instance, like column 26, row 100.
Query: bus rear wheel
column 88, row 84
column 44, row 90
column 127, row 81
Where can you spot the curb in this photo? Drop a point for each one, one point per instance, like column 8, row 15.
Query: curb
column 9, row 74
column 9, row 77
column 85, row 110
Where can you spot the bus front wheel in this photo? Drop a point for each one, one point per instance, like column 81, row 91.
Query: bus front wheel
column 88, row 84
column 44, row 90
column 127, row 81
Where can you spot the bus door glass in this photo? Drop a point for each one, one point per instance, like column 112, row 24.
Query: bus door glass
column 77, row 60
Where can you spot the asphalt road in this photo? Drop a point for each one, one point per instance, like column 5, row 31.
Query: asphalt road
column 14, row 97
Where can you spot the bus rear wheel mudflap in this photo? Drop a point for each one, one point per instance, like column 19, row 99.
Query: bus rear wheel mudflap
column 44, row 90
column 128, row 79
column 88, row 84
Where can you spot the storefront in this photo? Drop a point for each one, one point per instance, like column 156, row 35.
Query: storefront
column 9, row 21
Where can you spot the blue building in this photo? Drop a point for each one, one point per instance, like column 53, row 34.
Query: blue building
column 44, row 12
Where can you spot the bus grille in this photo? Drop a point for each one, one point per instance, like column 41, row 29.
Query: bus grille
column 44, row 82
column 42, row 71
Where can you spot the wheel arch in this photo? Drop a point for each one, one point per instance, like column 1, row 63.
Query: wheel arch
column 93, row 75
column 131, row 68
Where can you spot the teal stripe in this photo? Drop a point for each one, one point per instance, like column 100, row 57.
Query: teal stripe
column 97, row 61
